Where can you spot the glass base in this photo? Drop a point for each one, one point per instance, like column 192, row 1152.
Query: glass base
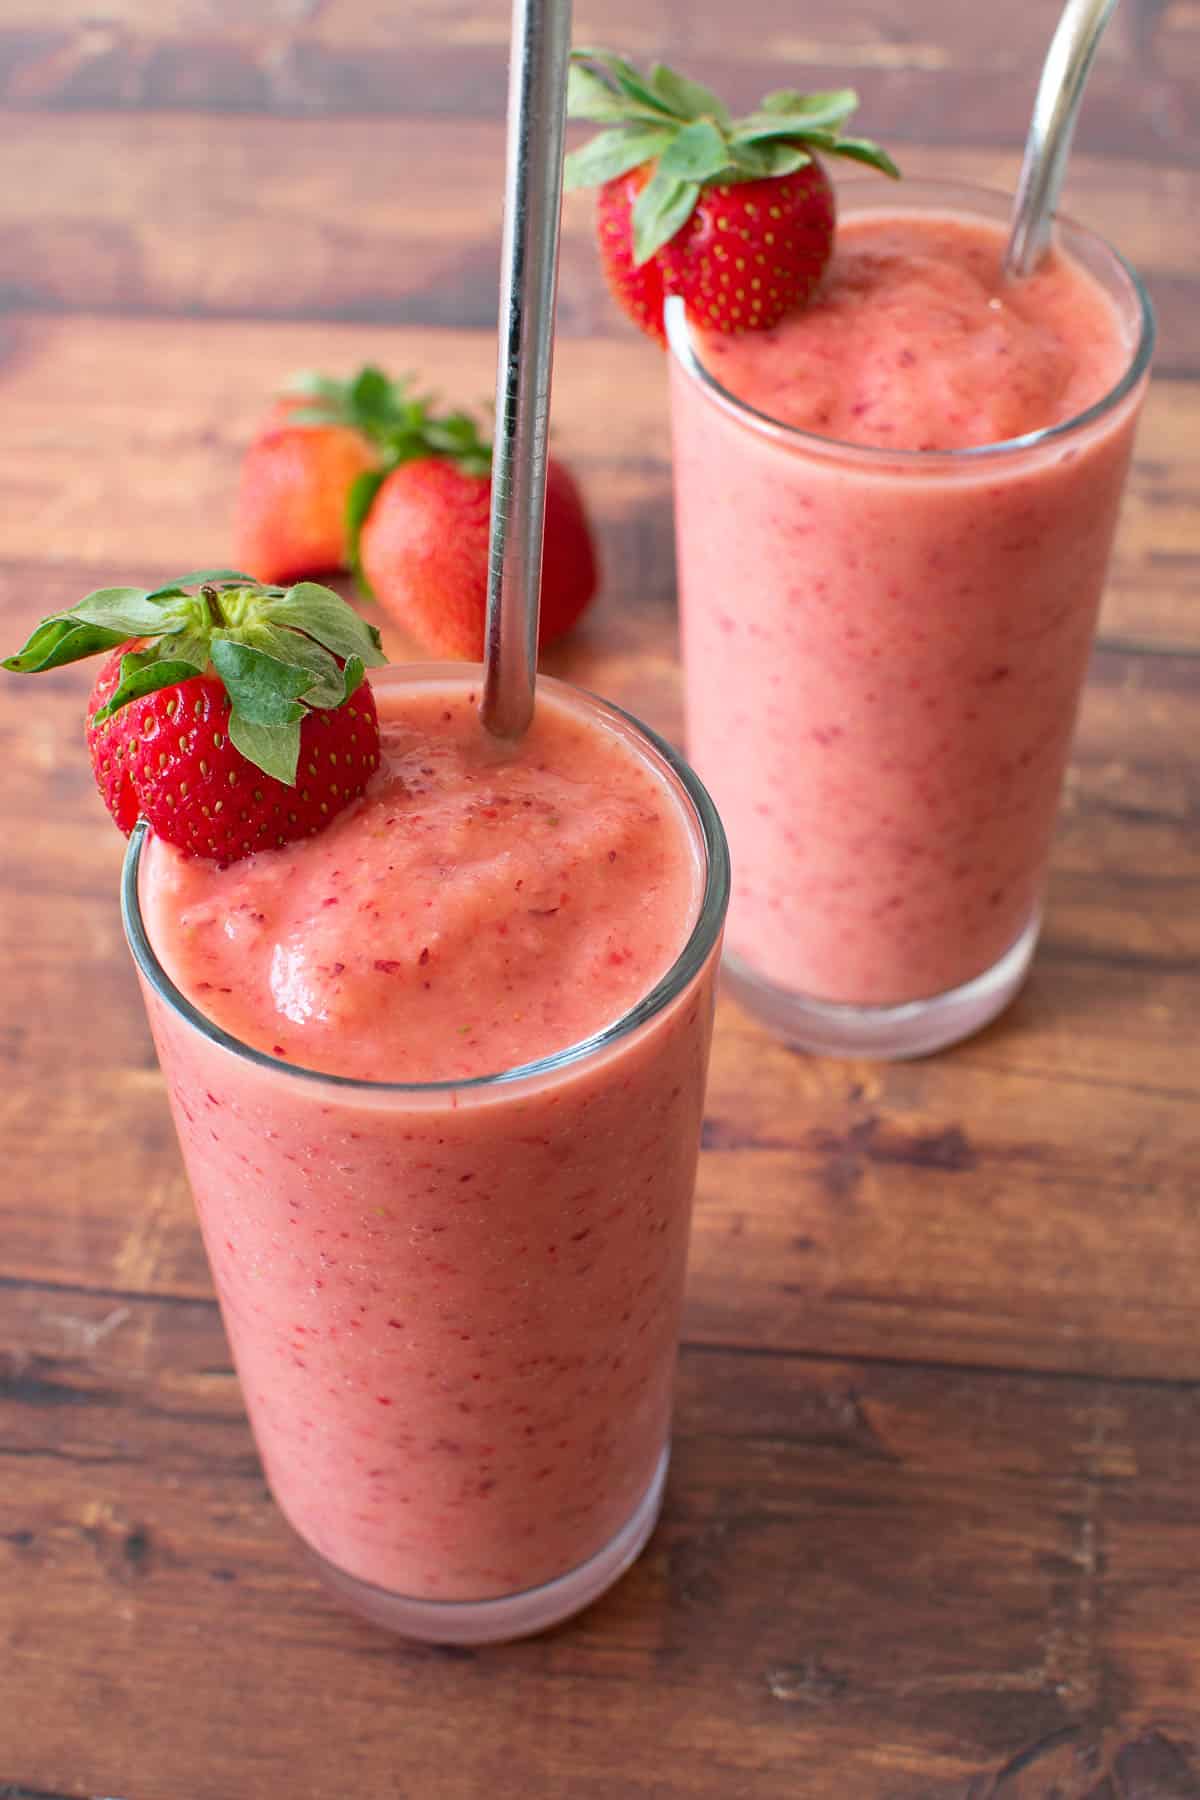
column 885, row 1033
column 513, row 1615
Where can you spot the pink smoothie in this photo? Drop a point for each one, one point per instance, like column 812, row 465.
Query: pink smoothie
column 453, row 1309
column 884, row 651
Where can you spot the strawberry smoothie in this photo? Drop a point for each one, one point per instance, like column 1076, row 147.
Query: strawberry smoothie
column 894, row 517
column 438, row 1075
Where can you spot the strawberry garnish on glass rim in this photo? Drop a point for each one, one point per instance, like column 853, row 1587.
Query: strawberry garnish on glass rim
column 734, row 215
column 231, row 716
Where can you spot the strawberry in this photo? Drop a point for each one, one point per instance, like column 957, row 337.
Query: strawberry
column 638, row 288
column 422, row 545
column 413, row 518
column 290, row 518
column 736, row 216
column 230, row 716
column 169, row 759
column 311, row 473
column 423, row 554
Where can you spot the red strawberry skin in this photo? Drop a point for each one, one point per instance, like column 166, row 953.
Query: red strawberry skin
column 424, row 551
column 291, row 501
column 570, row 568
column 168, row 758
column 639, row 292
column 750, row 252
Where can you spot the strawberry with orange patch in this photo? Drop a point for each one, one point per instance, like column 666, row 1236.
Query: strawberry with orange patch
column 369, row 472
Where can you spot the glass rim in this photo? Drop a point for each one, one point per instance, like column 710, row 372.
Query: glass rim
column 699, row 945
column 683, row 353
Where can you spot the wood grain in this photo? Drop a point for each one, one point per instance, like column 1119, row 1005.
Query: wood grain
column 815, row 1508
column 922, row 77
column 72, row 388
column 931, row 1525
column 255, row 219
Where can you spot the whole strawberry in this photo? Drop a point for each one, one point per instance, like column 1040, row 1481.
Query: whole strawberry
column 295, row 478
column 232, row 717
column 736, row 216
column 422, row 534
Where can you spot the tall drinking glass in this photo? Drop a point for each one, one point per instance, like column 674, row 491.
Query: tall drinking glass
column 884, row 652
column 454, row 1307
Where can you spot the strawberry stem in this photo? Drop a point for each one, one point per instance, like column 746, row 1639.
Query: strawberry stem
column 213, row 601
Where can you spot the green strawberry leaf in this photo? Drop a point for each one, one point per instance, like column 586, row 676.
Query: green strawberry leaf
column 610, row 99
column 830, row 108
column 687, row 129
column 300, row 652
column 264, row 691
column 325, row 616
column 275, row 749
column 359, row 502
column 353, row 676
column 760, row 162
column 187, row 646
column 630, row 84
column 143, row 672
column 61, row 640
column 613, row 153
column 663, row 208
column 455, row 432
column 687, row 98
column 331, row 684
column 123, row 609
column 370, row 395
column 402, row 426
column 761, row 128
column 457, row 435
column 589, row 97
column 697, row 153
column 864, row 151
column 196, row 578
column 106, row 618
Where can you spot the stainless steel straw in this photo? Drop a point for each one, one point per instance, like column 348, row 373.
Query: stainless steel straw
column 1059, row 92
column 537, row 85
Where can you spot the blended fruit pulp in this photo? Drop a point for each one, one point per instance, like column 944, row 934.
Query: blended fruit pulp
column 884, row 657
column 453, row 1310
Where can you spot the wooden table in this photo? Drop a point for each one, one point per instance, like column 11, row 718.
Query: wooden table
column 933, row 1526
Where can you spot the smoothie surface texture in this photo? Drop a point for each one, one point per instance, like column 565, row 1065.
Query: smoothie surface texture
column 483, row 906
column 916, row 342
